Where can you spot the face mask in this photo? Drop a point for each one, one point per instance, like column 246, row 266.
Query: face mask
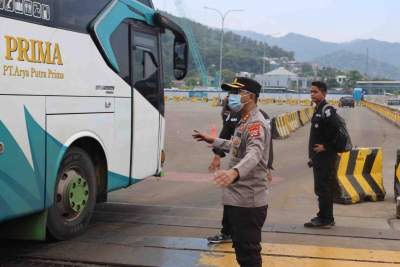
column 234, row 103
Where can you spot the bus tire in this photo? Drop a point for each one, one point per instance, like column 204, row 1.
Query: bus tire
column 74, row 196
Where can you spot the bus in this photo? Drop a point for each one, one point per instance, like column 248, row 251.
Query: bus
column 81, row 107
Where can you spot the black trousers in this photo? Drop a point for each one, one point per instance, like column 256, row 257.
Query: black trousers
column 226, row 228
column 325, row 184
column 245, row 226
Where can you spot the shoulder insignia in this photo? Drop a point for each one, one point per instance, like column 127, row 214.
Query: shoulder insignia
column 328, row 113
column 254, row 130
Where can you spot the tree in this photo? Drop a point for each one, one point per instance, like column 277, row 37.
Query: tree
column 352, row 77
column 307, row 69
column 332, row 83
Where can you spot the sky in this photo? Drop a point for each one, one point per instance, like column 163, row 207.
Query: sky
column 328, row 20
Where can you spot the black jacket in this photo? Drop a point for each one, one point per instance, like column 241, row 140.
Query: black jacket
column 324, row 128
column 230, row 120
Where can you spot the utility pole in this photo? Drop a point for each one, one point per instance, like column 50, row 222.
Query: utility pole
column 265, row 49
column 223, row 17
column 265, row 44
column 367, row 63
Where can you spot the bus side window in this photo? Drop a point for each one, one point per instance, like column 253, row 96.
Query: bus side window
column 146, row 75
column 120, row 45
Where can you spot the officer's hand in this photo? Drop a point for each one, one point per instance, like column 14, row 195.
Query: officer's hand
column 269, row 175
column 319, row 148
column 215, row 164
column 203, row 137
column 225, row 178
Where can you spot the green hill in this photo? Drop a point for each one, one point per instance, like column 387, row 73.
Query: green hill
column 240, row 53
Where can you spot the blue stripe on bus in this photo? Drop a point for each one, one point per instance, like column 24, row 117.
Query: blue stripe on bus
column 117, row 181
column 24, row 189
column 117, row 12
column 19, row 187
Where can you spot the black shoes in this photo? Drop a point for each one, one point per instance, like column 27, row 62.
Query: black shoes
column 219, row 239
column 319, row 223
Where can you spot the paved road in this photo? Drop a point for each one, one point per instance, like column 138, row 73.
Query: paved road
column 163, row 222
column 182, row 118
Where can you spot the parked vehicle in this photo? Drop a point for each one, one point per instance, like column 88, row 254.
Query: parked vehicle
column 346, row 101
column 393, row 102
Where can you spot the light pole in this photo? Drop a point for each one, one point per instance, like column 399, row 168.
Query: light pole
column 223, row 17
column 265, row 44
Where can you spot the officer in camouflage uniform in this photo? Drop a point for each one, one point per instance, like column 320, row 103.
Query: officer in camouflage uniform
column 245, row 183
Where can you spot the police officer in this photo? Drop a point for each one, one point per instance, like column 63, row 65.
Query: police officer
column 323, row 156
column 245, row 183
column 230, row 120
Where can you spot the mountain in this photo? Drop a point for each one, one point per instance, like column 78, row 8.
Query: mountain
column 240, row 53
column 345, row 60
column 380, row 50
column 383, row 56
column 305, row 48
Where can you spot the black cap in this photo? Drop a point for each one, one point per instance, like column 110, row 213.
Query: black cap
column 242, row 83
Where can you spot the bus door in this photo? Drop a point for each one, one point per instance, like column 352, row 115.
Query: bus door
column 148, row 105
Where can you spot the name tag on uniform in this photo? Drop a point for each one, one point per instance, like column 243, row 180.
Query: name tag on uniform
column 318, row 115
column 234, row 119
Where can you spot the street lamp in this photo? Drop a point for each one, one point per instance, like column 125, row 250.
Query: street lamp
column 223, row 16
column 265, row 44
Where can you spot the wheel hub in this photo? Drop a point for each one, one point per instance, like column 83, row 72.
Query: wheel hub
column 78, row 193
column 72, row 194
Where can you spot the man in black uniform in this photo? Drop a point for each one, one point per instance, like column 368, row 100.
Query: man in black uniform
column 230, row 119
column 323, row 156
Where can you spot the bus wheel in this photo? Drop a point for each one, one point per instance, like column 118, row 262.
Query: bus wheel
column 74, row 196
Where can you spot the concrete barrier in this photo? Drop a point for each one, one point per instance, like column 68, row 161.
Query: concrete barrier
column 287, row 123
column 359, row 175
column 397, row 176
column 390, row 114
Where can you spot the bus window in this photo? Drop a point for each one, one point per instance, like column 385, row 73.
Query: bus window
column 39, row 12
column 77, row 14
column 146, row 74
column 120, row 45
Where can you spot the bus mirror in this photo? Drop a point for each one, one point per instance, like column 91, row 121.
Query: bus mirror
column 181, row 47
column 180, row 59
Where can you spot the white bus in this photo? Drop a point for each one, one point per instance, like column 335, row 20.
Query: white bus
column 81, row 106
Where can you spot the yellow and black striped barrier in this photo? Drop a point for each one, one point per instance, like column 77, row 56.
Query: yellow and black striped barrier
column 359, row 174
column 397, row 176
column 390, row 114
column 287, row 123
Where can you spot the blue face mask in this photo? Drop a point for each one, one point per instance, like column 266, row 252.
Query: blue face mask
column 234, row 102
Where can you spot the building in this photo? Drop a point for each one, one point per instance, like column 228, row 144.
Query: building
column 341, row 79
column 282, row 78
column 379, row 87
column 244, row 74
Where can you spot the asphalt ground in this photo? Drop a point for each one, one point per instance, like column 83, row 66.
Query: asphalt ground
column 164, row 221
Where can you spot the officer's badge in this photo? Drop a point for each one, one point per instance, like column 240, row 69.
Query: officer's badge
column 254, row 130
column 316, row 125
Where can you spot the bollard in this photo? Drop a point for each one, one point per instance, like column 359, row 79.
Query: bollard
column 359, row 176
column 398, row 207
column 397, row 176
